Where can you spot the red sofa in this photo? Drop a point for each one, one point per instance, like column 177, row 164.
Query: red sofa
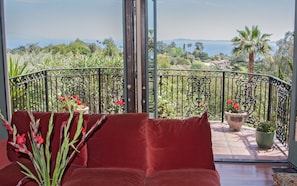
column 129, row 150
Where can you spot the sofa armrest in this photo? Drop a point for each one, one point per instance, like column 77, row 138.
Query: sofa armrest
column 3, row 154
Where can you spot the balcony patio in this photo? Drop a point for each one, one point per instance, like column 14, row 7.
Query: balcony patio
column 241, row 145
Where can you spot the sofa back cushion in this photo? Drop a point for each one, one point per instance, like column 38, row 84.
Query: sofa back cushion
column 120, row 142
column 22, row 121
column 179, row 144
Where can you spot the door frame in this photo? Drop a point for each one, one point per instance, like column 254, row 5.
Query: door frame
column 292, row 158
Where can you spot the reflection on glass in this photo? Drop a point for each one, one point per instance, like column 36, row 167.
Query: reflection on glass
column 295, row 128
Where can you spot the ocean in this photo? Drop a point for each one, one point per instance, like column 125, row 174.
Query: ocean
column 213, row 47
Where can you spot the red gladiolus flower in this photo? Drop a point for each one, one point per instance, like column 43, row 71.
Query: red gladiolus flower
column 5, row 123
column 229, row 101
column 22, row 149
column 9, row 128
column 78, row 102
column 21, row 139
column 83, row 131
column 39, row 139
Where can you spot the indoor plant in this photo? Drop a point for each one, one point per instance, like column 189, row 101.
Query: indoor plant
column 40, row 155
column 265, row 134
column 234, row 115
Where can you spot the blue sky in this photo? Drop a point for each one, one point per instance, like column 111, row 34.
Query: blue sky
column 37, row 20
column 219, row 19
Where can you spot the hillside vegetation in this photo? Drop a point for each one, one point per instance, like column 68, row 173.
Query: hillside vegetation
column 79, row 54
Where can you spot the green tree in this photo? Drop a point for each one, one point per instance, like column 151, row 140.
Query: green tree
column 251, row 42
column 162, row 47
column 200, row 55
column 110, row 47
column 189, row 45
column 199, row 46
column 283, row 57
column 79, row 47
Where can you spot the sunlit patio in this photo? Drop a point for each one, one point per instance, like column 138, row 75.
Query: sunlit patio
column 241, row 145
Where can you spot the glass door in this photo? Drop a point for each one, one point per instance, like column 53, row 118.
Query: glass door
column 293, row 129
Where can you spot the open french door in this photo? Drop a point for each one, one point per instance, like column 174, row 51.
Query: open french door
column 293, row 128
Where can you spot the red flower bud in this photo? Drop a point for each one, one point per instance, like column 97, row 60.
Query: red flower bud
column 83, row 131
column 21, row 139
column 38, row 139
column 9, row 128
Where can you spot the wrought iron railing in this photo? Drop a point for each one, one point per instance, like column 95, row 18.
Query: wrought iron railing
column 40, row 91
column 179, row 92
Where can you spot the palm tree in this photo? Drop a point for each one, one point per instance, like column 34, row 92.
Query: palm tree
column 251, row 42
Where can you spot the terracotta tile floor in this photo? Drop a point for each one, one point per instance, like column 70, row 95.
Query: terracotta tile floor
column 241, row 145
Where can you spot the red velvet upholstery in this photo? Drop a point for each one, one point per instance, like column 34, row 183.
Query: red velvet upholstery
column 184, row 177
column 106, row 177
column 22, row 121
column 179, row 144
column 4, row 161
column 130, row 150
column 11, row 174
column 120, row 142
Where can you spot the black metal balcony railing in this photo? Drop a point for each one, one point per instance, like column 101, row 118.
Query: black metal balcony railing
column 179, row 92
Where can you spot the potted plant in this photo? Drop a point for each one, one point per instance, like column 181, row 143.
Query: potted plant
column 235, row 117
column 265, row 134
column 40, row 151
column 73, row 103
column 117, row 106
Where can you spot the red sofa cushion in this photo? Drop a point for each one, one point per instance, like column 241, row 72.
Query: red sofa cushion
column 184, row 177
column 179, row 144
column 22, row 121
column 106, row 177
column 120, row 142
column 12, row 174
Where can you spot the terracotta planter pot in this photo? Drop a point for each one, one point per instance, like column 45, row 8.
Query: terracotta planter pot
column 235, row 120
column 265, row 140
column 84, row 110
